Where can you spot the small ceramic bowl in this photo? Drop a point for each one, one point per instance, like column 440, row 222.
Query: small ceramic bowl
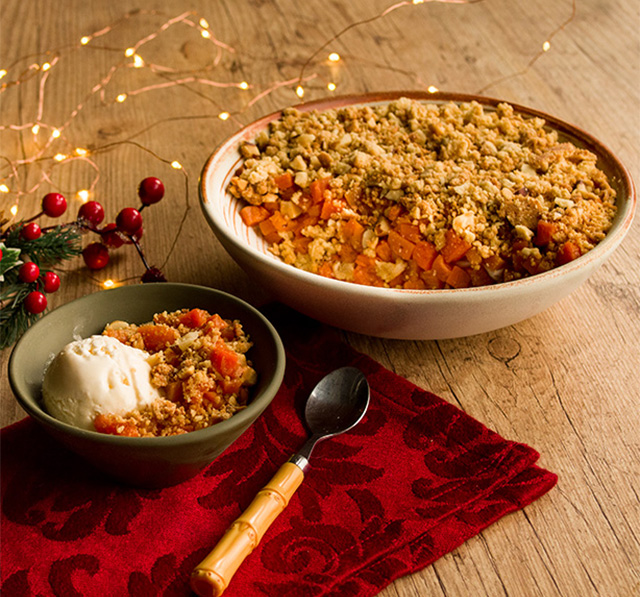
column 154, row 461
column 400, row 313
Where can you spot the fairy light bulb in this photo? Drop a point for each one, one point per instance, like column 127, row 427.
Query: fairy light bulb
column 129, row 52
column 83, row 195
column 432, row 89
column 176, row 164
column 244, row 85
column 120, row 98
column 334, row 57
column 59, row 157
column 85, row 40
column 35, row 129
column 203, row 23
column 4, row 188
column 14, row 210
column 206, row 34
column 81, row 151
column 3, row 73
column 108, row 284
column 46, row 66
column 138, row 62
column 300, row 91
column 55, row 133
column 224, row 115
column 546, row 46
column 331, row 86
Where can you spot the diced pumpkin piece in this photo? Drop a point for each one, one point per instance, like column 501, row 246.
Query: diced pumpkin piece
column 352, row 231
column 567, row 252
column 383, row 251
column 409, row 231
column 284, row 181
column 317, row 189
column 442, row 268
column 458, row 278
column 431, row 279
column 400, row 246
column 424, row 254
column 544, row 233
column 194, row 318
column 268, row 230
column 226, row 361
column 254, row 214
column 454, row 248
column 157, row 337
column 479, row 277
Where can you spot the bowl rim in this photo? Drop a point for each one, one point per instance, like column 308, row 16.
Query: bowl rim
column 235, row 422
column 626, row 206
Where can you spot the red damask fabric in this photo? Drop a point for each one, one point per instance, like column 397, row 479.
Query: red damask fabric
column 414, row 480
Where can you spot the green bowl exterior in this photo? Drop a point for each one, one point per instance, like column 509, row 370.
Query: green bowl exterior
column 144, row 462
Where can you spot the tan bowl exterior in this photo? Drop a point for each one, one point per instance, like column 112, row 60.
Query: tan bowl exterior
column 399, row 313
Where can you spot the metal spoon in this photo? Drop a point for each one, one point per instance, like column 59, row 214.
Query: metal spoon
column 336, row 404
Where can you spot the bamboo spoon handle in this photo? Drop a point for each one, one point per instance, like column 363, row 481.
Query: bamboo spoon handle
column 212, row 576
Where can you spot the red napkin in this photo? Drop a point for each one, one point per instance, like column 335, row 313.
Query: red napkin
column 411, row 482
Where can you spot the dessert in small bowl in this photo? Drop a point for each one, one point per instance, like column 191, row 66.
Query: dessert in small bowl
column 151, row 382
column 413, row 215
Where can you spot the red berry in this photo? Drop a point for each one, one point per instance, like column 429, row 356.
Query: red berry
column 51, row 282
column 151, row 190
column 54, row 205
column 35, row 302
column 28, row 272
column 92, row 212
column 129, row 220
column 96, row 255
column 112, row 237
column 31, row 231
column 153, row 274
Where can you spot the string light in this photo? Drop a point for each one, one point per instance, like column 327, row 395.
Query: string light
column 108, row 284
column 102, row 89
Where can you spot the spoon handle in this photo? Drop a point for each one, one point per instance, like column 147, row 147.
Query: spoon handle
column 212, row 576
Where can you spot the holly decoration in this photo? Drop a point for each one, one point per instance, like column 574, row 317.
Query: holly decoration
column 28, row 252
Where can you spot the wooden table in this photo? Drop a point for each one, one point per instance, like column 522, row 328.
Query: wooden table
column 564, row 381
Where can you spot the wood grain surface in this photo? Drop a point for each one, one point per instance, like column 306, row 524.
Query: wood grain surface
column 564, row 381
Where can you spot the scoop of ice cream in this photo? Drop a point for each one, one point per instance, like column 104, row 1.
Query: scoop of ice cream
column 97, row 375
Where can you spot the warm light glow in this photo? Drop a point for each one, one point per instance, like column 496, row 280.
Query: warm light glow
column 46, row 66
column 3, row 72
column 59, row 157
column 129, row 52
column 203, row 23
column 55, row 133
column 244, row 85
column 331, row 86
column 108, row 284
column 418, row 1
column 432, row 89
column 299, row 91
column 14, row 210
column 120, row 98
column 85, row 40
column 4, row 188
column 138, row 62
column 83, row 195
column 81, row 151
column 177, row 165
column 224, row 115
column 35, row 129
column 545, row 46
column 334, row 57
column 205, row 34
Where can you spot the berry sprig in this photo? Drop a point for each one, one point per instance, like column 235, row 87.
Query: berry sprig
column 27, row 251
column 127, row 229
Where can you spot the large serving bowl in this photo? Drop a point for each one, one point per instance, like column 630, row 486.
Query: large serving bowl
column 400, row 313
column 144, row 461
